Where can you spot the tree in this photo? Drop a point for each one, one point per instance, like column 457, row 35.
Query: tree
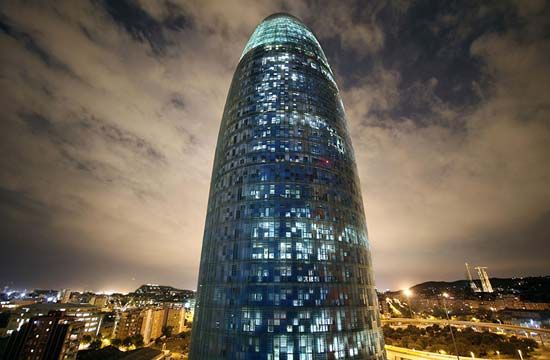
column 116, row 342
column 4, row 319
column 137, row 340
column 95, row 344
column 127, row 341
column 435, row 338
column 167, row 331
column 86, row 339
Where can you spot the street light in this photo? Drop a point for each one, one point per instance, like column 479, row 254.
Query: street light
column 408, row 294
column 445, row 296
column 498, row 354
column 520, row 354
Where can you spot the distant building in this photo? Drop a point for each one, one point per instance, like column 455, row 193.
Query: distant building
column 42, row 295
column 383, row 305
column 100, row 301
column 65, row 296
column 150, row 322
column 88, row 314
column 52, row 336
column 189, row 306
column 107, row 329
column 176, row 320
column 527, row 318
column 153, row 322
column 15, row 303
column 80, row 298
column 152, row 293
column 128, row 324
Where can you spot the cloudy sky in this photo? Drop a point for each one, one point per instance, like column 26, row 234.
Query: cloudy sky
column 110, row 112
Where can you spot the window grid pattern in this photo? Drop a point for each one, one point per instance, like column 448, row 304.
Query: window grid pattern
column 285, row 268
column 277, row 30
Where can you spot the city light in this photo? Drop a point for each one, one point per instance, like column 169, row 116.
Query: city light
column 408, row 294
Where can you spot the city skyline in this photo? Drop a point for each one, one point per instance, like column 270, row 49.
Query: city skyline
column 111, row 111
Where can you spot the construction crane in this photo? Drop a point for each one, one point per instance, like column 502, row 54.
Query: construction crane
column 485, row 283
column 473, row 285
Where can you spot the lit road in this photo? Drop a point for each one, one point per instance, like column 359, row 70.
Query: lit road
column 493, row 326
column 398, row 353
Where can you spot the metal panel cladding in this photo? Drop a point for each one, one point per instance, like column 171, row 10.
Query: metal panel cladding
column 285, row 271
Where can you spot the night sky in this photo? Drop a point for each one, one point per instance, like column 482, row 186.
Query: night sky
column 111, row 109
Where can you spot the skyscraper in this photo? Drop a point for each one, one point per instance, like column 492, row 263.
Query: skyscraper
column 285, row 267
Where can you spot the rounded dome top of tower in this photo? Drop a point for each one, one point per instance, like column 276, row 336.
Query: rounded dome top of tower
column 282, row 14
column 283, row 28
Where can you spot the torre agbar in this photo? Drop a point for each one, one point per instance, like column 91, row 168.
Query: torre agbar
column 285, row 271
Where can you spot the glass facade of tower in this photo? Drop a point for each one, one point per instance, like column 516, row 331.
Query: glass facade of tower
column 285, row 269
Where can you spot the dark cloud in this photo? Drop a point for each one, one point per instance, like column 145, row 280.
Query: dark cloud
column 21, row 203
column 130, row 141
column 112, row 110
column 37, row 123
column 143, row 26
column 177, row 101
column 33, row 47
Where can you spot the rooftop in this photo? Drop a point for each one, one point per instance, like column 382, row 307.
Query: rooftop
column 283, row 28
